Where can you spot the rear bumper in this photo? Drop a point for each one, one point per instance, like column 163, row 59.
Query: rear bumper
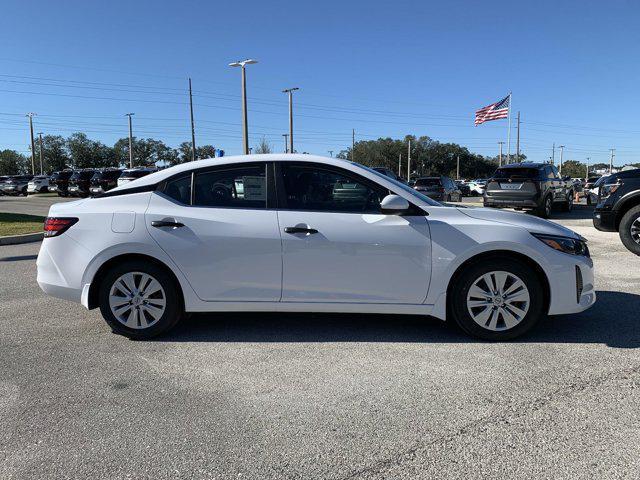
column 604, row 220
column 510, row 202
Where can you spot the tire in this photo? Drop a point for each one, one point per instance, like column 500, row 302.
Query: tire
column 630, row 230
column 544, row 210
column 521, row 313
column 568, row 205
column 113, row 291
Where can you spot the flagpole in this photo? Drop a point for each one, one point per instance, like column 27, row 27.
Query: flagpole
column 509, row 132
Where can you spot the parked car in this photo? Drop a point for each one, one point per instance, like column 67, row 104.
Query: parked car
column 388, row 172
column 104, row 180
column 59, row 182
column 531, row 186
column 80, row 182
column 38, row 184
column 618, row 208
column 591, row 192
column 476, row 187
column 439, row 188
column 464, row 188
column 134, row 173
column 3, row 180
column 149, row 251
column 16, row 185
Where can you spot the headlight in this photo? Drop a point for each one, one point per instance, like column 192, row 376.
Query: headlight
column 572, row 246
column 607, row 189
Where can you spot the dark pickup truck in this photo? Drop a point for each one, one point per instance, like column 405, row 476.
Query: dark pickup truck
column 618, row 207
column 531, row 186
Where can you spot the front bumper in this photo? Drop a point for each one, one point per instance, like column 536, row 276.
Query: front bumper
column 604, row 220
column 572, row 289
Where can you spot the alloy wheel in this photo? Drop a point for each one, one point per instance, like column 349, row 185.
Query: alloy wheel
column 137, row 300
column 498, row 301
column 635, row 230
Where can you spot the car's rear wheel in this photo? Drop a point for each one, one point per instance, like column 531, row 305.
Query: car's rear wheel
column 630, row 230
column 544, row 210
column 497, row 300
column 140, row 300
column 568, row 205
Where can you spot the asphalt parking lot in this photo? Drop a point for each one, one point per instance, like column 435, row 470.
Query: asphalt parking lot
column 320, row 396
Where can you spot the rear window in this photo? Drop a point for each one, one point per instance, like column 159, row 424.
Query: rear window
column 61, row 175
column 427, row 182
column 516, row 173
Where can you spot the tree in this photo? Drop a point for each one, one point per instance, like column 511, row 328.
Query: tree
column 54, row 153
column 205, row 151
column 86, row 153
column 428, row 157
column 13, row 163
column 263, row 147
column 574, row 169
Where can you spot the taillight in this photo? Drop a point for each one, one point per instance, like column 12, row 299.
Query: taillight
column 54, row 226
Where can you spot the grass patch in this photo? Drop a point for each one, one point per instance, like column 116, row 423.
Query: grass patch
column 17, row 223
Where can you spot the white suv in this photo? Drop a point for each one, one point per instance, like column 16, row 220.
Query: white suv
column 300, row 233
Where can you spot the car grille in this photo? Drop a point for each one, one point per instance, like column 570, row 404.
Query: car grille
column 579, row 284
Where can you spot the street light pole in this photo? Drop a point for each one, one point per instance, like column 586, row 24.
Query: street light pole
column 130, row 139
column 245, row 130
column 290, row 91
column 587, row 177
column 33, row 145
column 613, row 154
column 193, row 127
column 561, row 147
column 500, row 157
column 286, row 142
column 40, row 138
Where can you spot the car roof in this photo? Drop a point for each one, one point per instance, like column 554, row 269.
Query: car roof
column 525, row 165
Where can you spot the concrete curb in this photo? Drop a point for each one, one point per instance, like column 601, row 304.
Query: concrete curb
column 25, row 238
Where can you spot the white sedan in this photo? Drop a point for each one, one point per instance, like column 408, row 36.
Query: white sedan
column 300, row 233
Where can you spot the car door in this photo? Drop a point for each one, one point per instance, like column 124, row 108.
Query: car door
column 220, row 229
column 338, row 247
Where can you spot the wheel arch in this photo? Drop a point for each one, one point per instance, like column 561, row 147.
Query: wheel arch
column 626, row 205
column 109, row 263
column 501, row 254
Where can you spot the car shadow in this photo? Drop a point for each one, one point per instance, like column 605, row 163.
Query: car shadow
column 579, row 212
column 613, row 321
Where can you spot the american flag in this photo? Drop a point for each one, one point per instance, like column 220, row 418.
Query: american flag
column 495, row 111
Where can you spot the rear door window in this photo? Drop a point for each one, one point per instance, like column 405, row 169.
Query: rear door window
column 233, row 187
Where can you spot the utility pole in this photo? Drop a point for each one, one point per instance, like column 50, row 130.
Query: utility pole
column 613, row 154
column 330, row 152
column 518, row 141
column 290, row 91
column 193, row 127
column 586, row 179
column 33, row 145
column 400, row 165
column 458, row 167
column 353, row 144
column 500, row 157
column 553, row 154
column 245, row 129
column 409, row 161
column 561, row 147
column 40, row 137
column 286, row 142
column 130, row 139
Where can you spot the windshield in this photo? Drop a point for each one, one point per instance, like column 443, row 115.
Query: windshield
column 402, row 186
column 516, row 173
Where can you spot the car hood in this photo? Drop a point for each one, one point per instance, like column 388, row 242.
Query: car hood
column 529, row 222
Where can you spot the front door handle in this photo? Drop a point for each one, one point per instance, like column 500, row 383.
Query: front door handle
column 306, row 230
column 166, row 223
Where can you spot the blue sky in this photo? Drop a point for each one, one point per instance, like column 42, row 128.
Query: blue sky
column 385, row 68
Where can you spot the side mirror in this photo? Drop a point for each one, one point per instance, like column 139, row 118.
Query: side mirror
column 394, row 205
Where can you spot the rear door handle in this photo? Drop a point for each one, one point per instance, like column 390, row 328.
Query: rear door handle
column 165, row 223
column 310, row 231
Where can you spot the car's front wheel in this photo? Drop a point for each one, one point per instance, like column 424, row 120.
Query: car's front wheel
column 140, row 300
column 630, row 230
column 499, row 299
